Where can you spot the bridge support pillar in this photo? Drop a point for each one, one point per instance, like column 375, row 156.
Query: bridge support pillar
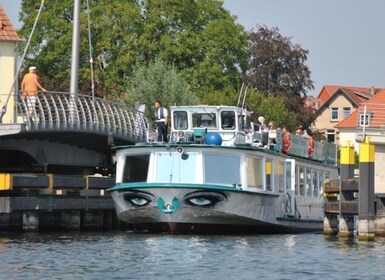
column 70, row 220
column 93, row 220
column 330, row 224
column 366, row 208
column 30, row 221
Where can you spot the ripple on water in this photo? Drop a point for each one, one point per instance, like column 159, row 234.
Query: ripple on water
column 122, row 255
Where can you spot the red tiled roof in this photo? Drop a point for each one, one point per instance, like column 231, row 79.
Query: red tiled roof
column 328, row 91
column 7, row 31
column 374, row 106
column 355, row 97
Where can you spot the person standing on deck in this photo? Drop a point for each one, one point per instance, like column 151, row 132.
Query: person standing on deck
column 29, row 87
column 161, row 119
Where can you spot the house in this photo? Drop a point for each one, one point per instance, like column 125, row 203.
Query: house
column 368, row 120
column 9, row 41
column 335, row 104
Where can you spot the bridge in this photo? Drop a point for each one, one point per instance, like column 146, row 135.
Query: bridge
column 68, row 134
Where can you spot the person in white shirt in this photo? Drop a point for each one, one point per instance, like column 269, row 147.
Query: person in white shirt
column 161, row 119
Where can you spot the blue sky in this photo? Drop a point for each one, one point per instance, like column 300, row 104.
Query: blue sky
column 345, row 38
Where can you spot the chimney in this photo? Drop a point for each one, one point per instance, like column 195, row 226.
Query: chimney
column 372, row 91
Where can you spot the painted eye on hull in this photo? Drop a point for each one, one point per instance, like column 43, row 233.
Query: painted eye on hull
column 204, row 199
column 200, row 201
column 138, row 199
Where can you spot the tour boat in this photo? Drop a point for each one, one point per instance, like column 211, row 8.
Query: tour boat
column 221, row 173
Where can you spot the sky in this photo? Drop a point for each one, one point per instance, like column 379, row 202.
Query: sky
column 345, row 38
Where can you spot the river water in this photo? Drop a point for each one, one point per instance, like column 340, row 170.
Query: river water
column 125, row 255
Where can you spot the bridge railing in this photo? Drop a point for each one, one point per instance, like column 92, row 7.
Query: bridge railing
column 66, row 111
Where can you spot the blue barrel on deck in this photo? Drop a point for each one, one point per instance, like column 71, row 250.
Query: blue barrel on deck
column 213, row 138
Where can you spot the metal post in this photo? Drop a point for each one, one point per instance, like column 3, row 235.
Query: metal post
column 366, row 209
column 75, row 60
column 346, row 222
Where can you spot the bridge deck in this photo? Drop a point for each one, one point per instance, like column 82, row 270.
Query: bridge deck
column 67, row 133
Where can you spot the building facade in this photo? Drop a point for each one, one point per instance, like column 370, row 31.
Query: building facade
column 9, row 41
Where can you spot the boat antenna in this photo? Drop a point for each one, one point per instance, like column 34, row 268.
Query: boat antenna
column 244, row 96
column 240, row 94
column 4, row 109
column 90, row 50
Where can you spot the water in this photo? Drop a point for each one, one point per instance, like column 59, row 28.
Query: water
column 124, row 255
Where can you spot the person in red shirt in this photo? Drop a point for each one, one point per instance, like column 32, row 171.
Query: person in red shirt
column 30, row 86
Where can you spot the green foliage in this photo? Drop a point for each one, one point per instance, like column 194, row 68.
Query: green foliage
column 159, row 81
column 277, row 66
column 272, row 108
column 198, row 37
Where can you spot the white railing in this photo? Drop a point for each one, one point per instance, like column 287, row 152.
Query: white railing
column 65, row 111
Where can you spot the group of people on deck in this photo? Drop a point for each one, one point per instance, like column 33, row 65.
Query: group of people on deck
column 269, row 136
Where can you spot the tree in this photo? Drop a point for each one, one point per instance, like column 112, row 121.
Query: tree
column 158, row 81
column 276, row 65
column 272, row 108
column 198, row 37
column 114, row 24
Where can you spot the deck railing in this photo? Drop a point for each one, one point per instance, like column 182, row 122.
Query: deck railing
column 65, row 111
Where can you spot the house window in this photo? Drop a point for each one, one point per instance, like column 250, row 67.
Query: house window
column 364, row 119
column 334, row 114
column 346, row 111
column 330, row 135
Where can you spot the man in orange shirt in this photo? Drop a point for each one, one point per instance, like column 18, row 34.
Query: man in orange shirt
column 29, row 87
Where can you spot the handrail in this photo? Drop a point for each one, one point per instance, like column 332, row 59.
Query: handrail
column 59, row 111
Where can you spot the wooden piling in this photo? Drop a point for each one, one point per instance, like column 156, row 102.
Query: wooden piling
column 40, row 202
column 331, row 192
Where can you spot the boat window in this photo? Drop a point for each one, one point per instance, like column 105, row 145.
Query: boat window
column 326, row 178
column 254, row 173
column 289, row 170
column 175, row 167
column 228, row 120
column 269, row 176
column 321, row 181
column 308, row 183
column 315, row 182
column 221, row 169
column 136, row 168
column 208, row 120
column 297, row 180
column 301, row 180
column 180, row 120
column 279, row 176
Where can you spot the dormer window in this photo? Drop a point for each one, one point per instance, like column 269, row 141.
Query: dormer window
column 364, row 119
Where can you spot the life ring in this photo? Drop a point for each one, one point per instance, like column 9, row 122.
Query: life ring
column 286, row 143
column 310, row 146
